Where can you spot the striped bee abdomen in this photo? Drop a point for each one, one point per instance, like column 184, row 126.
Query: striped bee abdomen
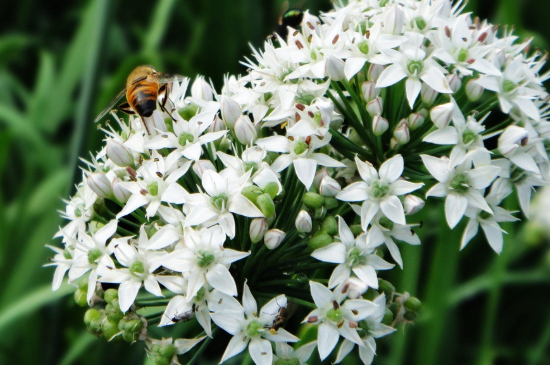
column 142, row 97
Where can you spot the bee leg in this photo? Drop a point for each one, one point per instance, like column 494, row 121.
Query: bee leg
column 165, row 89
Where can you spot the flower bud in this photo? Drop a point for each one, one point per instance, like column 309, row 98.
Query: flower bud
column 454, row 81
column 266, row 205
column 473, row 90
column 369, row 91
column 109, row 329
column 319, row 176
column 201, row 89
column 334, row 68
column 412, row 204
column 329, row 187
column 303, row 222
column 415, row 120
column 252, row 192
column 119, row 154
column 379, row 125
column 330, row 225
column 386, row 287
column 121, row 193
column 231, row 111
column 510, row 140
column 245, row 131
column 80, row 296
column 273, row 238
column 110, row 295
column 313, row 200
column 356, row 287
column 375, row 106
column 428, row 94
column 413, row 304
column 319, row 240
column 100, row 184
column 200, row 166
column 258, row 228
column 401, row 132
column 441, row 115
column 374, row 72
column 394, row 143
column 394, row 19
column 217, row 125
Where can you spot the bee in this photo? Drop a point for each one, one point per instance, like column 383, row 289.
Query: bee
column 143, row 87
column 282, row 316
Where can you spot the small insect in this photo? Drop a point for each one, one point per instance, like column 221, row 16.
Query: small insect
column 182, row 317
column 282, row 316
column 143, row 87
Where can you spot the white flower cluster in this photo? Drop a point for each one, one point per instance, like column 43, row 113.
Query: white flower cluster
column 377, row 102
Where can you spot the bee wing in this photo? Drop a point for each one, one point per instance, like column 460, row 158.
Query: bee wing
column 167, row 78
column 111, row 105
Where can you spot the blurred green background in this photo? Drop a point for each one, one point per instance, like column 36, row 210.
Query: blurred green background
column 61, row 62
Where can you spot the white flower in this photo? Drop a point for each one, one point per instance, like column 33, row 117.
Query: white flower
column 222, row 198
column 353, row 255
column 154, row 184
column 411, row 63
column 205, row 260
column 285, row 352
column 250, row 326
column 380, row 190
column 336, row 320
column 460, row 184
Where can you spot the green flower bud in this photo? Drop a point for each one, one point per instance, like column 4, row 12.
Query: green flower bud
column 319, row 213
column 319, row 240
column 80, row 296
column 410, row 316
column 272, row 189
column 167, row 351
column 159, row 360
column 91, row 315
column 313, row 200
column 134, row 325
column 330, row 225
column 356, row 229
column 113, row 311
column 110, row 295
column 413, row 304
column 266, row 205
column 109, row 329
column 388, row 317
column 252, row 193
column 394, row 308
column 386, row 287
column 331, row 203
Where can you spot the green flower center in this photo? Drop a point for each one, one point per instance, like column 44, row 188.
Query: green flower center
column 463, row 55
column 460, row 183
column 363, row 47
column 184, row 138
column 93, row 255
column 78, row 212
column 250, row 166
column 469, row 136
column 419, row 21
column 317, row 118
column 137, row 269
column 153, row 188
column 205, row 258
column 254, row 329
column 508, row 86
column 415, row 67
column 356, row 258
column 219, row 201
column 335, row 315
column 300, row 148
column 379, row 190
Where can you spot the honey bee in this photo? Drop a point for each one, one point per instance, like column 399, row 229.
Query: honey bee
column 143, row 87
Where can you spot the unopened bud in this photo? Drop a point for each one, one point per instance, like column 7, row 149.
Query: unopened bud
column 334, row 68
column 370, row 92
column 231, row 111
column 413, row 204
column 200, row 166
column 374, row 72
column 330, row 225
column 441, row 115
column 313, row 200
column 356, row 287
column 100, row 184
column 473, row 90
column 413, row 304
column 119, row 154
column 109, row 329
column 273, row 238
column 454, row 81
column 201, row 90
column 266, row 205
column 428, row 94
column 401, row 132
column 394, row 19
column 386, row 287
column 245, row 131
column 319, row 240
column 415, row 120
column 329, row 187
column 375, row 106
column 303, row 222
column 319, row 176
column 258, row 228
column 217, row 125
column 379, row 125
column 394, row 143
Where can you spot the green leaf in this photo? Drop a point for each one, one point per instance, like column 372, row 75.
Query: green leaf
column 49, row 192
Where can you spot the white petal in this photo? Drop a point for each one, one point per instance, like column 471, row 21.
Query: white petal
column 446, row 135
column 392, row 169
column 237, row 344
column 368, row 211
column 469, row 233
column 436, row 80
column 394, row 251
column 174, row 193
column 135, row 201
column 413, row 87
column 249, row 303
column 320, row 293
column 339, row 275
column 493, row 233
column 391, row 75
column 367, row 274
column 230, row 321
column 260, row 351
column 401, row 187
column 345, row 349
column 437, row 167
column 305, row 170
column 393, row 209
column 327, row 338
column 220, row 278
column 455, row 206
column 127, row 292
column 334, row 253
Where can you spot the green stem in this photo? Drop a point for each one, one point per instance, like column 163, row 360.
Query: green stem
column 203, row 347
